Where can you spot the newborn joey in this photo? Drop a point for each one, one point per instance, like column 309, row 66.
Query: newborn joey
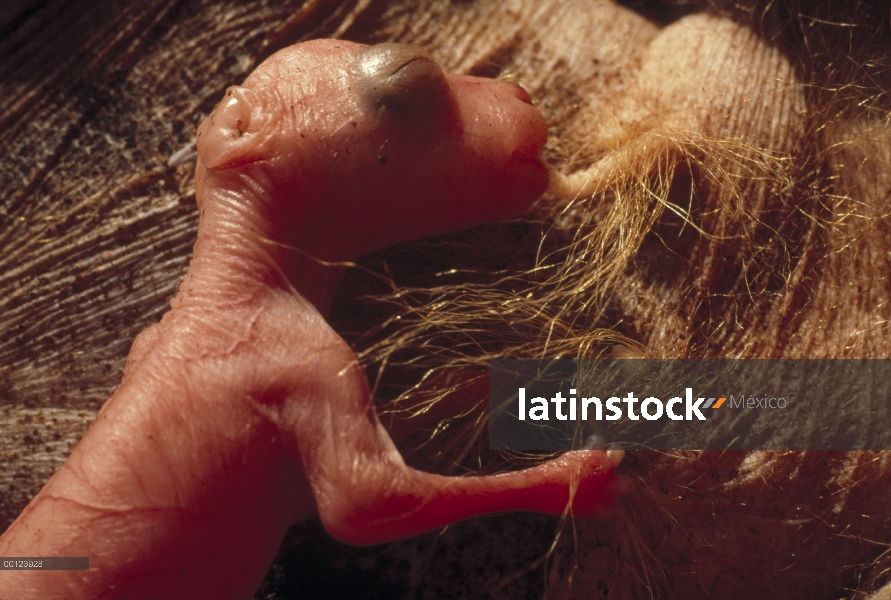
column 242, row 411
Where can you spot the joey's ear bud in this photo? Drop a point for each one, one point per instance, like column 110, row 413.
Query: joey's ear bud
column 232, row 130
column 401, row 78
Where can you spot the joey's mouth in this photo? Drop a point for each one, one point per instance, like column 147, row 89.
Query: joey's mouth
column 519, row 92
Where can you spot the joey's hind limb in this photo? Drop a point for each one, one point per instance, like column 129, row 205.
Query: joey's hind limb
column 366, row 494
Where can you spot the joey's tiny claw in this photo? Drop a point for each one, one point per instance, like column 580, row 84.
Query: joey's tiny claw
column 615, row 454
column 614, row 451
column 595, row 442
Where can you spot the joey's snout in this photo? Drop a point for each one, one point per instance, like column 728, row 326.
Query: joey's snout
column 504, row 135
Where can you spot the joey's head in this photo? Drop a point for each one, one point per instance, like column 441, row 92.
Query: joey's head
column 350, row 148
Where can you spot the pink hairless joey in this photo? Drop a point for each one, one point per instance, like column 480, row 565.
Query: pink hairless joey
column 242, row 411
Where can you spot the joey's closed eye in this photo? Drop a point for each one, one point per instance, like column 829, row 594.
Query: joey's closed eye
column 401, row 78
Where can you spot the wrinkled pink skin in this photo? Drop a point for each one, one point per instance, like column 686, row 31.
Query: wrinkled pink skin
column 242, row 412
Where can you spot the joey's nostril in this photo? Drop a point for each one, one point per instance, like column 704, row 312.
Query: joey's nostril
column 516, row 91
column 595, row 442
